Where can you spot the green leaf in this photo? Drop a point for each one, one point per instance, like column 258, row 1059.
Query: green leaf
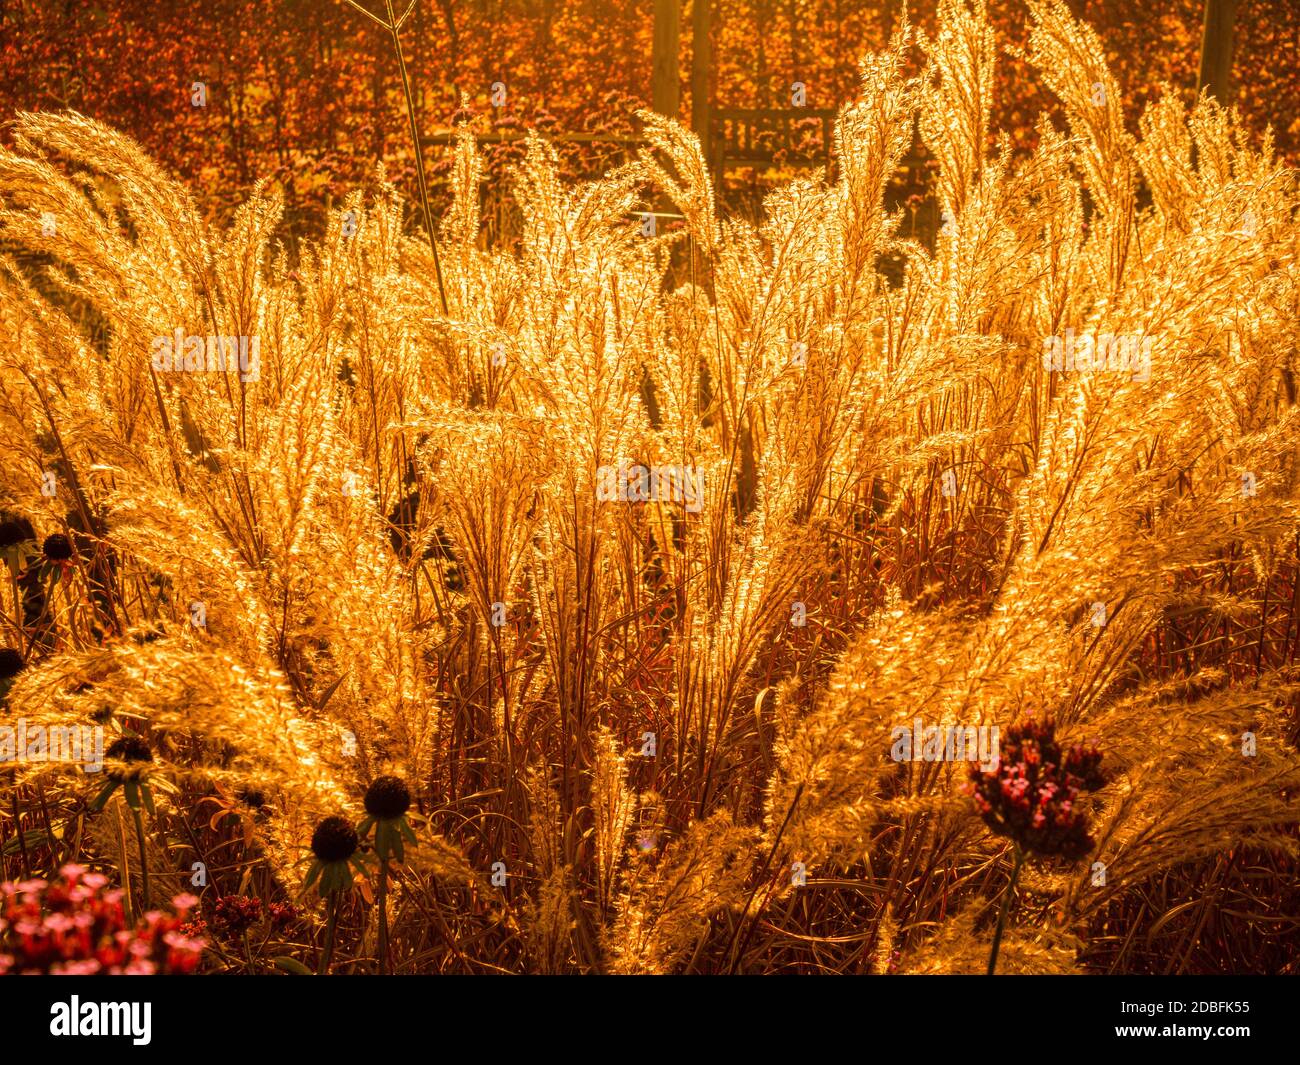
column 33, row 837
column 101, row 800
column 291, row 965
column 325, row 697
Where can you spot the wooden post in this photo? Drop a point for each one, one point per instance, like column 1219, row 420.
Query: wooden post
column 665, row 86
column 1216, row 49
column 701, row 59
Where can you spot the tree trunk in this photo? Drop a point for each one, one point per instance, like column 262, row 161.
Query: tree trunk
column 665, row 86
column 701, row 57
column 1216, row 49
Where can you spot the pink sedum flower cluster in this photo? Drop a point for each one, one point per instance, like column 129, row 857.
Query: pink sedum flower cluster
column 76, row 926
column 1033, row 793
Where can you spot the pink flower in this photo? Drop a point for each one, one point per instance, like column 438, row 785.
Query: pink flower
column 1030, row 795
column 76, row 926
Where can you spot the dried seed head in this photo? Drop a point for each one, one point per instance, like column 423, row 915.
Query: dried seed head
column 130, row 749
column 57, row 547
column 335, row 840
column 253, row 798
column 388, row 797
column 11, row 663
column 13, row 531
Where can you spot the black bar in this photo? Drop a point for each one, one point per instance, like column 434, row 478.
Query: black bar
column 806, row 1016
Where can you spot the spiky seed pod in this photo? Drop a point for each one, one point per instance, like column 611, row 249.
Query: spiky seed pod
column 452, row 579
column 14, row 531
column 253, row 798
column 16, row 536
column 387, row 797
column 11, row 663
column 133, row 762
column 334, row 845
column 387, row 800
column 335, row 840
column 57, row 548
column 130, row 749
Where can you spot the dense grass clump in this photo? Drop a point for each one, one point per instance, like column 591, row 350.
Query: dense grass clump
column 607, row 592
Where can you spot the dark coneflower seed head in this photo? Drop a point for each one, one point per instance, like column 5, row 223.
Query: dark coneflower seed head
column 11, row 663
column 252, row 798
column 387, row 798
column 130, row 749
column 335, row 840
column 13, row 531
column 57, row 547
